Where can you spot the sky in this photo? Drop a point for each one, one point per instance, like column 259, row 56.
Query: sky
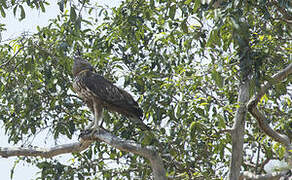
column 34, row 18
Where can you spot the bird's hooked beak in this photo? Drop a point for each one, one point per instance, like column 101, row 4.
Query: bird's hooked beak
column 81, row 65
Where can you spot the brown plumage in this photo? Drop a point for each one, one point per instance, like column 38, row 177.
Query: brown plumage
column 99, row 93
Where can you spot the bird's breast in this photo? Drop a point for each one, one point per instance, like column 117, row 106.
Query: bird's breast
column 82, row 90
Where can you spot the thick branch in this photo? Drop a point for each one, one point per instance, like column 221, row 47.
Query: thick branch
column 252, row 107
column 128, row 146
column 271, row 176
column 102, row 135
column 262, row 120
column 280, row 76
column 44, row 152
column 238, row 132
column 263, row 124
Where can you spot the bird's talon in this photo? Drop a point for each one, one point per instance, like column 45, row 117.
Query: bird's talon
column 85, row 133
column 88, row 132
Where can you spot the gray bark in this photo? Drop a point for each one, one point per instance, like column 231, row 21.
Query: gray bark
column 148, row 152
column 237, row 132
column 263, row 121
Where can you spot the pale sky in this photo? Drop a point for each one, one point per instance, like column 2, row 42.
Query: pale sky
column 14, row 28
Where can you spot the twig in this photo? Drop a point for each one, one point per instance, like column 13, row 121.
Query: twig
column 282, row 10
column 263, row 165
column 8, row 61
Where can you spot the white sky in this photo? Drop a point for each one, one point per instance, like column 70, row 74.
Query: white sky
column 14, row 28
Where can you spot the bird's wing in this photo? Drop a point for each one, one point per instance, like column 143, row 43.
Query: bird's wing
column 114, row 98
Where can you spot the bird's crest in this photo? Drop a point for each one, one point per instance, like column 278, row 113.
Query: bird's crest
column 81, row 65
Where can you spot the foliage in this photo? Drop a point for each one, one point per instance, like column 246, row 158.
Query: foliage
column 181, row 61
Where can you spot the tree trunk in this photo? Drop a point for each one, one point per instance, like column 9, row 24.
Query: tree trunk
column 238, row 132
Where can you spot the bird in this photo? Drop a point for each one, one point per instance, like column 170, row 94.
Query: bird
column 99, row 93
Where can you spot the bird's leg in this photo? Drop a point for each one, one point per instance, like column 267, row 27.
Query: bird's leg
column 98, row 113
column 94, row 125
column 90, row 125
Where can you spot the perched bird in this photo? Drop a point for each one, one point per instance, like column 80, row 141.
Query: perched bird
column 99, row 93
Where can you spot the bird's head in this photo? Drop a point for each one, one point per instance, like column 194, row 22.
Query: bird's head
column 81, row 65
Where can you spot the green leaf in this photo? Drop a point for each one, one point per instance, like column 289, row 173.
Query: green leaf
column 14, row 10
column 78, row 23
column 221, row 123
column 22, row 13
column 61, row 5
column 29, row 3
column 196, row 6
column 187, row 2
column 173, row 152
column 184, row 26
column 3, row 14
column 3, row 4
column 219, row 80
column 172, row 11
column 42, row 6
column 147, row 140
column 152, row 3
column 72, row 14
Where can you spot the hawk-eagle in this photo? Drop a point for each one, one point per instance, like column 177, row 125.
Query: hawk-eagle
column 99, row 93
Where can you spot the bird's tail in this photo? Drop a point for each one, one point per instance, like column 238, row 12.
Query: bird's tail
column 140, row 123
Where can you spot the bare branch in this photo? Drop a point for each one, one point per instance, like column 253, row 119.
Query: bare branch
column 262, row 165
column 44, row 152
column 129, row 146
column 101, row 135
column 271, row 176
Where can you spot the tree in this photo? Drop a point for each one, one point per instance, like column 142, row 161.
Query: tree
column 213, row 79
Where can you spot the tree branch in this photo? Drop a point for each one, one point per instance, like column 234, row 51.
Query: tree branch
column 271, row 176
column 8, row 61
column 287, row 16
column 262, row 120
column 280, row 76
column 128, row 146
column 237, row 133
column 101, row 135
column 44, row 152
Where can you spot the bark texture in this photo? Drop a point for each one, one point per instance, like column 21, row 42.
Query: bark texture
column 148, row 152
column 237, row 132
column 263, row 120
